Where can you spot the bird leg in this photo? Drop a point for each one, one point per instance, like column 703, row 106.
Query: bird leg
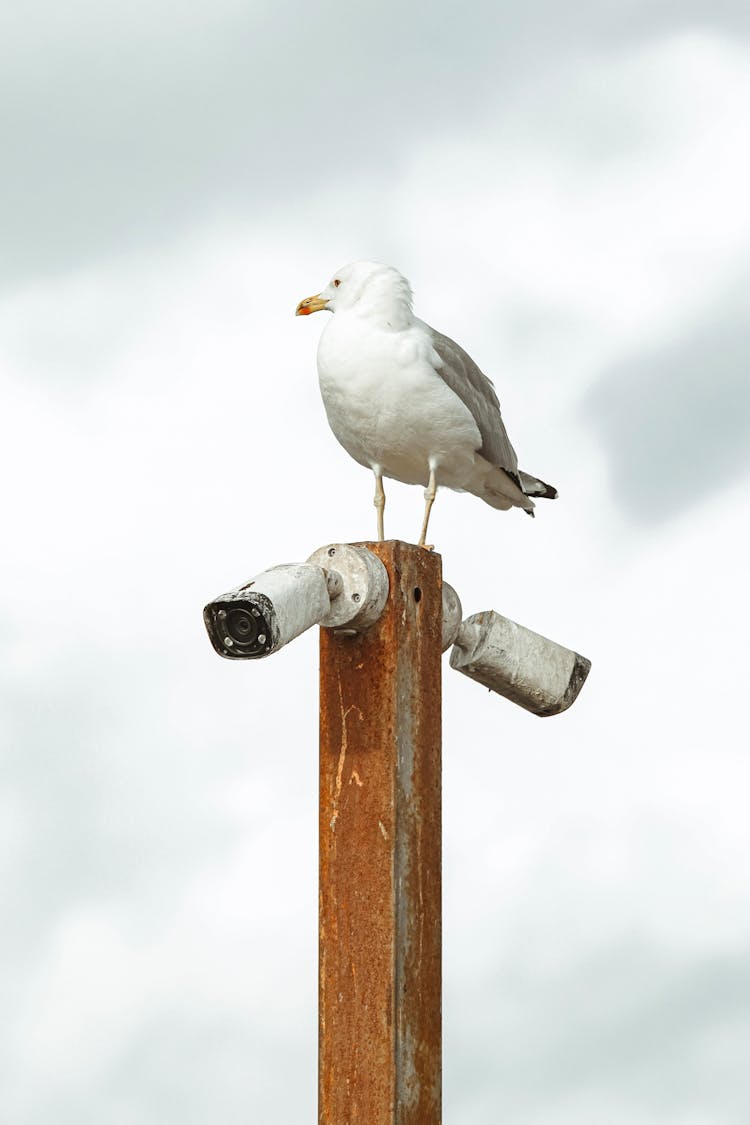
column 379, row 503
column 429, row 499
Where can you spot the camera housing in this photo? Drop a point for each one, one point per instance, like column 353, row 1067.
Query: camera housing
column 345, row 588
column 340, row 587
column 262, row 615
column 528, row 669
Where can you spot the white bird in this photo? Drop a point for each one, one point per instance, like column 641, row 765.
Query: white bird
column 408, row 402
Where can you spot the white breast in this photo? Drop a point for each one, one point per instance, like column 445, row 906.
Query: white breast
column 387, row 405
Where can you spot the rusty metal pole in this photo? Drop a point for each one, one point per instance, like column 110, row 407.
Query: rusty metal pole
column 380, row 856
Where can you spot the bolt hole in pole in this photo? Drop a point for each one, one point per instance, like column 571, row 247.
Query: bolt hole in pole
column 417, row 594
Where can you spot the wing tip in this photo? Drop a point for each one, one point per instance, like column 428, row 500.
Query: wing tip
column 539, row 488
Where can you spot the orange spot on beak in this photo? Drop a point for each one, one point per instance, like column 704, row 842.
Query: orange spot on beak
column 310, row 305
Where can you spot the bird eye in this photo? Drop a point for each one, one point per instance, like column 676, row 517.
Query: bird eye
column 336, row 283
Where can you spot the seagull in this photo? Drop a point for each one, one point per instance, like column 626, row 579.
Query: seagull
column 408, row 402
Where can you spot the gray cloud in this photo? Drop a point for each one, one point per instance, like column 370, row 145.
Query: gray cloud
column 675, row 422
column 193, row 1067
column 102, row 821
column 189, row 1066
column 116, row 133
column 627, row 1034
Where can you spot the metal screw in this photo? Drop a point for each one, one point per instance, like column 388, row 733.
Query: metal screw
column 228, row 642
column 261, row 638
column 221, row 614
column 355, row 597
column 255, row 612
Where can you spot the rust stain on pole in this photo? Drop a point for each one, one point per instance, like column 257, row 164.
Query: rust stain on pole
column 380, row 856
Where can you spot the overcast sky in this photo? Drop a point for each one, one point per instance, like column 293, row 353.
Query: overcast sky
column 566, row 188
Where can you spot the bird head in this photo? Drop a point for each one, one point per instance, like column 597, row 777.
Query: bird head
column 369, row 288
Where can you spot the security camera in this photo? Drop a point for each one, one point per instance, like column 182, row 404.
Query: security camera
column 528, row 669
column 345, row 588
column 340, row 586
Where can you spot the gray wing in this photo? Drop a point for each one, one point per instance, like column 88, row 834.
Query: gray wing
column 477, row 393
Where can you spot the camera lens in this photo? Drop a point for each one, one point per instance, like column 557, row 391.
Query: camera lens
column 241, row 626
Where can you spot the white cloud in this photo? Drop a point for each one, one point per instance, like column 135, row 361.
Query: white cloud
column 601, row 207
column 162, row 438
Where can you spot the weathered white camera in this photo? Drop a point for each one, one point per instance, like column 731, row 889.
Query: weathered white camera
column 340, row 586
column 345, row 588
column 528, row 669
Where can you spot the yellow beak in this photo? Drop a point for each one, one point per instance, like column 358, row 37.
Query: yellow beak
column 310, row 305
